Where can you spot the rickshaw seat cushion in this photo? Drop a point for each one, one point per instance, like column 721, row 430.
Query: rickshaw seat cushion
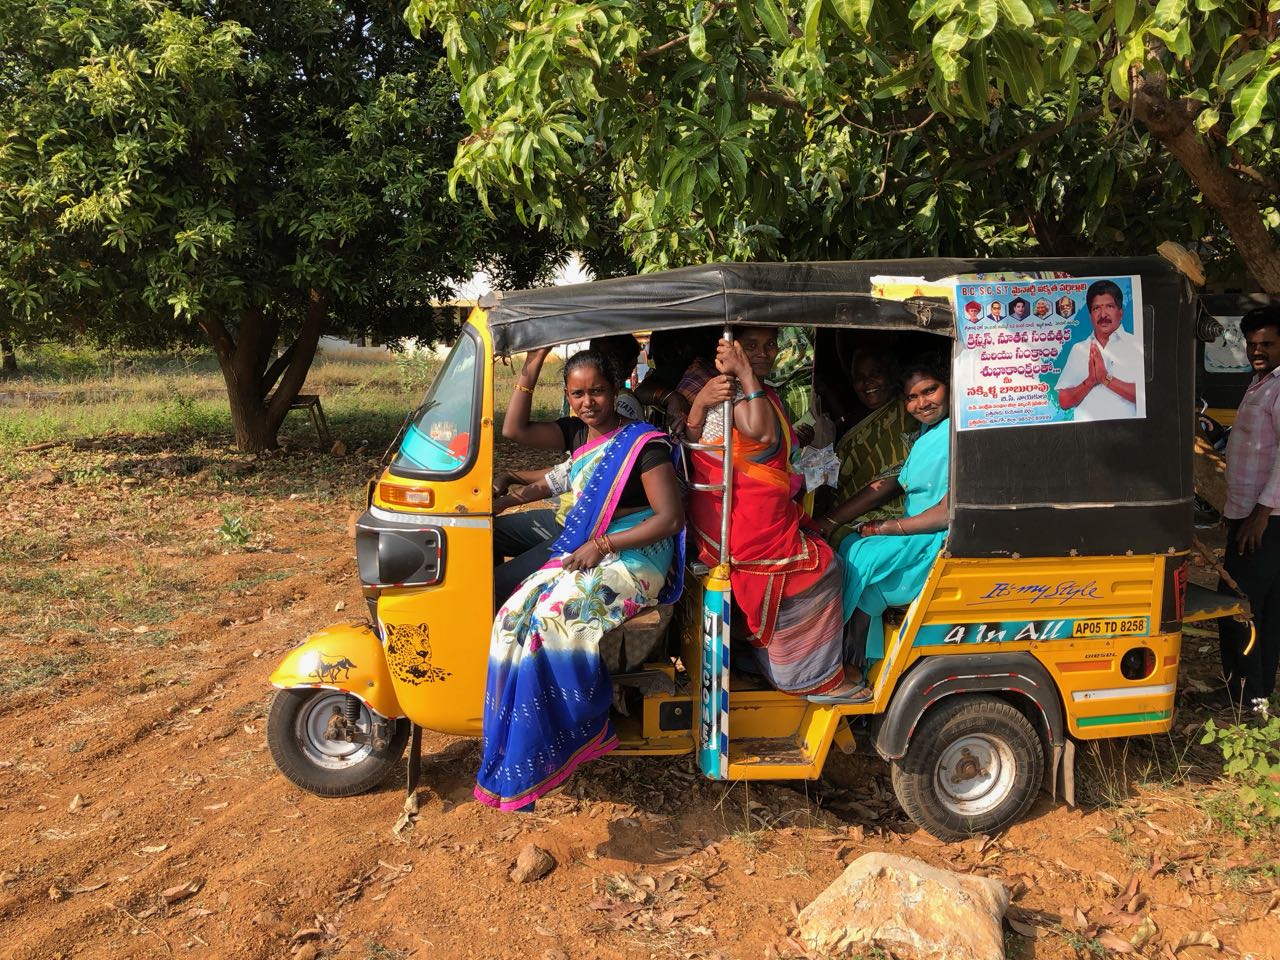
column 632, row 643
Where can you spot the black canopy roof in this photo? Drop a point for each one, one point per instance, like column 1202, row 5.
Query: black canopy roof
column 822, row 294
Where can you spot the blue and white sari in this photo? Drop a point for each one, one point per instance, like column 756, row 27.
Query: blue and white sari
column 547, row 698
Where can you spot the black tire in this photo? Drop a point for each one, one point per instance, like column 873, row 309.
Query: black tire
column 996, row 761
column 327, row 768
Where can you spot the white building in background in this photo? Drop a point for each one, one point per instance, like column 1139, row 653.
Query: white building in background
column 468, row 293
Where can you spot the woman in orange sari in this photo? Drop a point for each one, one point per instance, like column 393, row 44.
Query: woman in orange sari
column 786, row 582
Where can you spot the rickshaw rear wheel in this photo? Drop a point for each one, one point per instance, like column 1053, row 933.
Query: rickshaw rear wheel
column 296, row 728
column 973, row 766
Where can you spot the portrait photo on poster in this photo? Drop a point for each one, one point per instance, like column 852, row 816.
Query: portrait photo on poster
column 1048, row 351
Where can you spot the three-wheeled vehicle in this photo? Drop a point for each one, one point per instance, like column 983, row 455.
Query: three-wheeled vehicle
column 1053, row 614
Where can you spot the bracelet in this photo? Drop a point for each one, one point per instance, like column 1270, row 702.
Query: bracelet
column 599, row 545
column 608, row 542
column 753, row 395
column 528, row 390
column 901, row 532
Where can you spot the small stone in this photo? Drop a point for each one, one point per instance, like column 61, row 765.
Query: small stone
column 908, row 907
column 554, row 954
column 44, row 477
column 308, row 951
column 533, row 863
column 265, row 918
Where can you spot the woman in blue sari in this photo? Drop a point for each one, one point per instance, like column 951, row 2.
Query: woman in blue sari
column 548, row 693
column 888, row 562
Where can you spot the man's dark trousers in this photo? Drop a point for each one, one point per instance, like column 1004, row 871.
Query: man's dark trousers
column 1258, row 573
column 525, row 536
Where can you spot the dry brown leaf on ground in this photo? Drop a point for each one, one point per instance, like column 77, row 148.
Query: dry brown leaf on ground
column 1146, row 930
column 1114, row 942
column 1197, row 938
column 57, row 892
column 173, row 895
column 1021, row 927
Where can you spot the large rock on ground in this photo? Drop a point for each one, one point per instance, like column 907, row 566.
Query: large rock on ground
column 911, row 908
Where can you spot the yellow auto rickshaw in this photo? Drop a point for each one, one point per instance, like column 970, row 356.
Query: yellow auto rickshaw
column 1053, row 614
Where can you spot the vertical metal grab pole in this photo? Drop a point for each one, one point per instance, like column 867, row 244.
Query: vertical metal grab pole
column 717, row 613
column 727, row 495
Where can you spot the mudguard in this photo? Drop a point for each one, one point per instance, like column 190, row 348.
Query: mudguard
column 932, row 678
column 346, row 657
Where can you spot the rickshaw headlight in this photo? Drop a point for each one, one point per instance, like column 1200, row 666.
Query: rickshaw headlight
column 1138, row 663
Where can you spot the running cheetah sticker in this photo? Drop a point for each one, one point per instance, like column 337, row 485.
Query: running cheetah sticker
column 409, row 654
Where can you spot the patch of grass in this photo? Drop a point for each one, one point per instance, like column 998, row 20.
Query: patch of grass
column 1082, row 945
column 1230, row 816
column 183, row 414
column 377, row 951
column 750, row 840
column 248, row 583
column 19, row 546
column 40, row 671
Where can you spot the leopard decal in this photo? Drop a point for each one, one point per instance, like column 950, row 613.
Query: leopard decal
column 409, row 654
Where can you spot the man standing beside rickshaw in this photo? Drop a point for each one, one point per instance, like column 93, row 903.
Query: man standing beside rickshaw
column 1253, row 515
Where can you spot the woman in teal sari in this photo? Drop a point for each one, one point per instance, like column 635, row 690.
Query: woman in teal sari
column 548, row 692
column 887, row 563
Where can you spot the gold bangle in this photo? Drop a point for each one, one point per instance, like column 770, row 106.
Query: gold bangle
column 528, row 390
column 901, row 532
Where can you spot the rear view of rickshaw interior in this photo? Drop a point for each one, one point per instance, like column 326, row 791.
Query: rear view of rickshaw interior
column 1049, row 615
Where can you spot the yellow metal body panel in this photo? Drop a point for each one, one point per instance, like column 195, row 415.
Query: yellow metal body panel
column 437, row 638
column 1076, row 615
column 774, row 736
column 1224, row 415
column 344, row 657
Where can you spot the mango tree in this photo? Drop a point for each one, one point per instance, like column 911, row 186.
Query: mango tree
column 247, row 174
column 874, row 127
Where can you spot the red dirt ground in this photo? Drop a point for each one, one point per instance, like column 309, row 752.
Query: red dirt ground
column 161, row 736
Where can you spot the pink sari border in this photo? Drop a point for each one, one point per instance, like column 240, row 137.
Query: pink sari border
column 594, row 748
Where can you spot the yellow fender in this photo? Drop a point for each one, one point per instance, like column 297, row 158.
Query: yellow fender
column 347, row 657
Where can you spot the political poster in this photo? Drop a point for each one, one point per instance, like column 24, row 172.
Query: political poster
column 1048, row 351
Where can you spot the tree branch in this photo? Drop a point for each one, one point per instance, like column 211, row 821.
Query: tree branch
column 304, row 351
column 1172, row 122
column 683, row 38
column 217, row 333
column 277, row 367
column 770, row 99
column 1031, row 140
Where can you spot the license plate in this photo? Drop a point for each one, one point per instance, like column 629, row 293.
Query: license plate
column 1116, row 627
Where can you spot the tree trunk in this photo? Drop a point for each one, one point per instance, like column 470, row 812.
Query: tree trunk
column 8, row 359
column 1234, row 200
column 249, row 372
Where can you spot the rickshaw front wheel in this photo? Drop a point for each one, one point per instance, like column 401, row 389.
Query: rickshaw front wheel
column 973, row 766
column 300, row 729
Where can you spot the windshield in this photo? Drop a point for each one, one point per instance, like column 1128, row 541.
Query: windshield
column 440, row 438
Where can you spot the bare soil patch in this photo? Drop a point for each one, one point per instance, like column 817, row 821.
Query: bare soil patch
column 137, row 641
